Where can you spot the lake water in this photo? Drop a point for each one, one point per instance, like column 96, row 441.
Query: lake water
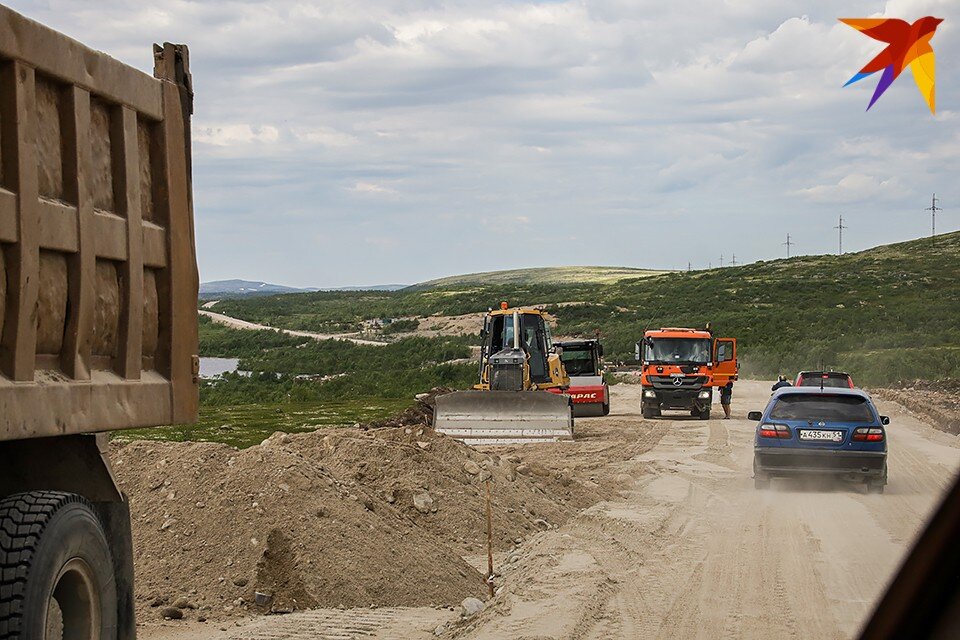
column 214, row 367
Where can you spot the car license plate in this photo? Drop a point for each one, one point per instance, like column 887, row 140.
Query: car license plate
column 821, row 435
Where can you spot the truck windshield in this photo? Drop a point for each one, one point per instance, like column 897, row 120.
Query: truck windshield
column 677, row 350
column 578, row 361
column 817, row 408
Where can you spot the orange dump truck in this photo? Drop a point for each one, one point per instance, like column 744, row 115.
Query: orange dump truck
column 681, row 367
column 98, row 319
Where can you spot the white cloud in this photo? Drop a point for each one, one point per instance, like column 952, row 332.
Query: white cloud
column 852, row 188
column 371, row 187
column 227, row 135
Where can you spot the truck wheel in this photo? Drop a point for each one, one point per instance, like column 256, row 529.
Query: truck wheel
column 647, row 411
column 56, row 571
column 705, row 414
column 606, row 408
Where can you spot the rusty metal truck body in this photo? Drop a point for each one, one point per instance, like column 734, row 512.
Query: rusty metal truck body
column 98, row 331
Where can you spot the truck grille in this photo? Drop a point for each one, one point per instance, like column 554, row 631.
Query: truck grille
column 687, row 382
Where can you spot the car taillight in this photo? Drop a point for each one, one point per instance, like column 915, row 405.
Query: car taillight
column 867, row 434
column 850, row 383
column 780, row 431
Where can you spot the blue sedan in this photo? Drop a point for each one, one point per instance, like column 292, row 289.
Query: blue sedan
column 808, row 430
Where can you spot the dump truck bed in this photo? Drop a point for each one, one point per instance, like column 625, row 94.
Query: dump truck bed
column 98, row 275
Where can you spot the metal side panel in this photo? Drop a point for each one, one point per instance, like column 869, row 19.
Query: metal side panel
column 98, row 274
column 504, row 417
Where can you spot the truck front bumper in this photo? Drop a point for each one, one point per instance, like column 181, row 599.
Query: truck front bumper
column 678, row 398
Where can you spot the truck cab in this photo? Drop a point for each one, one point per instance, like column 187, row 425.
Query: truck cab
column 680, row 367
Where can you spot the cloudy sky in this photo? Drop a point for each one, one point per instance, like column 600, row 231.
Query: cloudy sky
column 391, row 141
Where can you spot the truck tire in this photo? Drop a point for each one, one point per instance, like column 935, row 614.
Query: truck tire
column 56, row 571
column 606, row 408
column 705, row 414
column 647, row 411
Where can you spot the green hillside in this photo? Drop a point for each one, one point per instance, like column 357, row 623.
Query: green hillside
column 540, row 275
column 886, row 314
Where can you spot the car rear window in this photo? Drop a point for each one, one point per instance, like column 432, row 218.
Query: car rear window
column 817, row 408
column 830, row 382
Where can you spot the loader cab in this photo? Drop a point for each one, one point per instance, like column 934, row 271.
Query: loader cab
column 531, row 350
column 534, row 341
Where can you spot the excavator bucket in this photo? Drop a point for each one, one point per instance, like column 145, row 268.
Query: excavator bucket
column 504, row 417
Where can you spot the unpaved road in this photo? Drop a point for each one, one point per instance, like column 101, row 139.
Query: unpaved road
column 237, row 323
column 689, row 549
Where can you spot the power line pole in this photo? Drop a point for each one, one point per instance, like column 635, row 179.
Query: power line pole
column 721, row 261
column 933, row 208
column 840, row 229
column 734, row 260
column 788, row 244
column 689, row 267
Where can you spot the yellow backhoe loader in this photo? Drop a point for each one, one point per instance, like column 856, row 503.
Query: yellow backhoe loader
column 521, row 396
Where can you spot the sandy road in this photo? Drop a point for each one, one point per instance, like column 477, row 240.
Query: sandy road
column 237, row 323
column 689, row 549
column 692, row 550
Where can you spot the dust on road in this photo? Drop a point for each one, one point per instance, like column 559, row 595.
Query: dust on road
column 692, row 550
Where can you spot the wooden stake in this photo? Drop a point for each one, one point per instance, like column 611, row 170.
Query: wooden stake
column 489, row 541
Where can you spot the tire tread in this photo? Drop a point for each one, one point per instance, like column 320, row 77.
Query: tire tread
column 23, row 519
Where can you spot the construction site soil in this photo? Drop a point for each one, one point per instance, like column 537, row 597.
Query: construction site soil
column 341, row 517
column 935, row 401
column 620, row 533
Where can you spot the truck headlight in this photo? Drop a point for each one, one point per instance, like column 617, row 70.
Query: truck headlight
column 649, row 393
column 703, row 395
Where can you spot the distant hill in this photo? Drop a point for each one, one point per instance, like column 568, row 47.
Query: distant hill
column 247, row 288
column 373, row 287
column 541, row 275
column 242, row 288
column 886, row 314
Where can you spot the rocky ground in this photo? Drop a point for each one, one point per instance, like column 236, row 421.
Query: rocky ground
column 936, row 401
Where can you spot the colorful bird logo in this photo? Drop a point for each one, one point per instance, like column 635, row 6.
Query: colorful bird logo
column 907, row 44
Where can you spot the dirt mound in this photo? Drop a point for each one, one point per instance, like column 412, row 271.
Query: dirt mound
column 214, row 526
column 398, row 465
column 335, row 517
column 936, row 401
column 419, row 414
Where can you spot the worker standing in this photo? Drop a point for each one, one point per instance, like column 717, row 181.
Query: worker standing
column 780, row 383
column 726, row 393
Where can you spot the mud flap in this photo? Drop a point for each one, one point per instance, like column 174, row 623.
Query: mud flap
column 504, row 417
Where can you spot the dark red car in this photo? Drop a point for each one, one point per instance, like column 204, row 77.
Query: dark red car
column 825, row 379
